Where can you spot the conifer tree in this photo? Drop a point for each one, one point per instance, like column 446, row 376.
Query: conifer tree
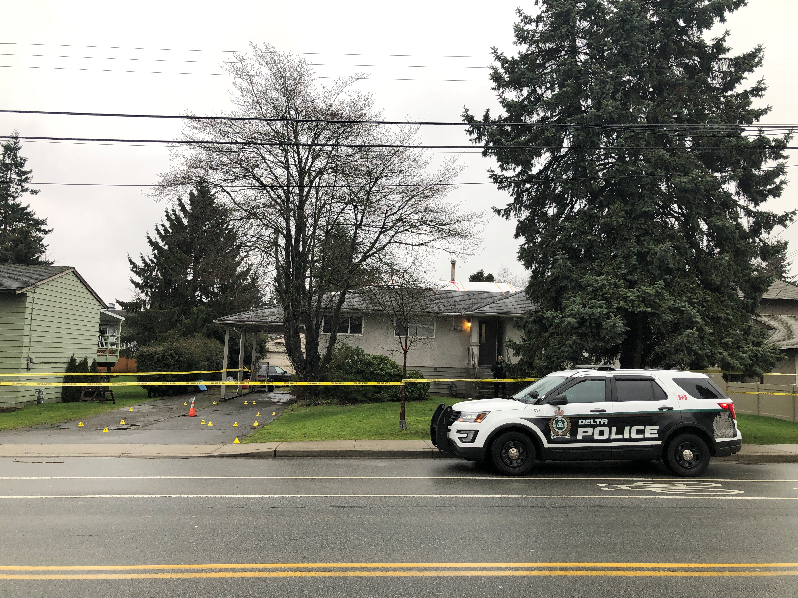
column 638, row 176
column 195, row 272
column 21, row 232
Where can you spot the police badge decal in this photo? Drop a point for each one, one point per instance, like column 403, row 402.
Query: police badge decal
column 560, row 426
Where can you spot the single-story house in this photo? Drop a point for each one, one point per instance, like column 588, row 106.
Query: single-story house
column 47, row 314
column 463, row 328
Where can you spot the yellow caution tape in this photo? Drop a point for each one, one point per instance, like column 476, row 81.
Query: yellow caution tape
column 31, row 374
column 250, row 383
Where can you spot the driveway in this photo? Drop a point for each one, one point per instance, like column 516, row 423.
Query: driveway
column 163, row 421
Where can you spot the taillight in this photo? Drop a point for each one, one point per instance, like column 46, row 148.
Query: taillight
column 728, row 407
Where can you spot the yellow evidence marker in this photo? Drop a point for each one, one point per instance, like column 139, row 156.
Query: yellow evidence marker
column 210, row 424
column 235, row 425
column 80, row 424
column 121, row 422
column 202, row 423
column 257, row 414
column 214, row 402
column 236, row 441
column 245, row 403
column 105, row 429
column 274, row 413
column 255, row 424
column 253, row 402
column 131, row 409
column 184, row 403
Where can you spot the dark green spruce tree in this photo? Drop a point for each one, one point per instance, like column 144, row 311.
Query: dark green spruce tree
column 195, row 273
column 638, row 178
column 21, row 232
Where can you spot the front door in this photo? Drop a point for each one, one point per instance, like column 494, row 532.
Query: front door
column 488, row 336
column 578, row 430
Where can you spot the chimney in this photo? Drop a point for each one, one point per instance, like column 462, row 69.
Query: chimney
column 453, row 263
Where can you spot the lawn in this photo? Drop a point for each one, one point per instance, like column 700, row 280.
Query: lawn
column 380, row 421
column 368, row 421
column 56, row 413
column 767, row 430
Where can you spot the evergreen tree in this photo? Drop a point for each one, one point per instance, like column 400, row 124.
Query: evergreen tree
column 195, row 272
column 21, row 232
column 480, row 276
column 638, row 181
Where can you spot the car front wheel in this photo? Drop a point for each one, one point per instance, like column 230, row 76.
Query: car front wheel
column 513, row 453
column 687, row 455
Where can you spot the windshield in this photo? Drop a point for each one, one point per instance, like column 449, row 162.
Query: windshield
column 542, row 386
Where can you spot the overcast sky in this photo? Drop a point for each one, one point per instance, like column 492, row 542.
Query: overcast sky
column 426, row 60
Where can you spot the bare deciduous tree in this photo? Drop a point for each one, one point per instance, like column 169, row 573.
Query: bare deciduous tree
column 406, row 297
column 325, row 195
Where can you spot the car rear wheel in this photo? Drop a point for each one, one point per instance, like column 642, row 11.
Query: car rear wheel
column 513, row 453
column 687, row 455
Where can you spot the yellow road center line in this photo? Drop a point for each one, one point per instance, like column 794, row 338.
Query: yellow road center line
column 402, row 573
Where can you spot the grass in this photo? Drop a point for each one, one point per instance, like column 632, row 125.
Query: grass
column 57, row 413
column 380, row 421
column 368, row 421
column 767, row 430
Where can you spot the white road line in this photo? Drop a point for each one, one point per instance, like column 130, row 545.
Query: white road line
column 469, row 478
column 604, row 496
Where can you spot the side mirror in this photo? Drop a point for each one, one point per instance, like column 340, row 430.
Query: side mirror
column 558, row 400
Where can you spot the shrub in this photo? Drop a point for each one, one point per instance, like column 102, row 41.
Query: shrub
column 178, row 355
column 353, row 364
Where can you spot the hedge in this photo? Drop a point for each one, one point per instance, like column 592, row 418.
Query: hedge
column 180, row 355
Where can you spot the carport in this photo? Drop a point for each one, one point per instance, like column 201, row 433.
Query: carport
column 269, row 319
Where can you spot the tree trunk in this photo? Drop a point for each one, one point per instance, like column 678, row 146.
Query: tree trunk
column 402, row 420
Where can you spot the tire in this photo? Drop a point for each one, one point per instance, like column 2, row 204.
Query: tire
column 687, row 455
column 512, row 453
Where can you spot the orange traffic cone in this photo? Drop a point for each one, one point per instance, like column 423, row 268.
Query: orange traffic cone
column 191, row 412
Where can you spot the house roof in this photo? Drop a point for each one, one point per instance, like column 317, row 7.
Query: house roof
column 784, row 330
column 443, row 302
column 20, row 279
column 781, row 290
column 257, row 318
column 515, row 304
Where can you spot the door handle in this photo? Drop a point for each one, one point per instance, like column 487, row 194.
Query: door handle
column 598, row 411
column 666, row 408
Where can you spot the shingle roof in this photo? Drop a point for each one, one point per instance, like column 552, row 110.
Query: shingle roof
column 14, row 277
column 437, row 302
column 515, row 304
column 19, row 278
column 257, row 318
column 785, row 330
column 781, row 290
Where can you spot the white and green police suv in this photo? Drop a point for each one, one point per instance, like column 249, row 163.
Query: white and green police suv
column 682, row 418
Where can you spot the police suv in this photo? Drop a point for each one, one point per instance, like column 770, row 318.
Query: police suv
column 682, row 418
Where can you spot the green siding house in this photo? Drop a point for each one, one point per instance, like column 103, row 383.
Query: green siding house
column 47, row 314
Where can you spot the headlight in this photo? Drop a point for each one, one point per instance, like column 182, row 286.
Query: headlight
column 475, row 417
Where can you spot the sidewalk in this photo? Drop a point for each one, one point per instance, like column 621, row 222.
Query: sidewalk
column 332, row 449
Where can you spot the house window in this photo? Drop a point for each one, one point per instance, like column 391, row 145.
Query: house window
column 424, row 328
column 346, row 325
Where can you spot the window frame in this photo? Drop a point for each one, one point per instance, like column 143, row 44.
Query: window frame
column 415, row 324
column 348, row 319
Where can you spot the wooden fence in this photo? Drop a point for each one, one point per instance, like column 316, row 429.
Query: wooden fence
column 771, row 400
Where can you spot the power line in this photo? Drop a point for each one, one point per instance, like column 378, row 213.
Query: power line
column 713, row 127
column 235, row 143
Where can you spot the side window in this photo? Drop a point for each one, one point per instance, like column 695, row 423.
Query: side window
column 700, row 388
column 587, row 391
column 641, row 389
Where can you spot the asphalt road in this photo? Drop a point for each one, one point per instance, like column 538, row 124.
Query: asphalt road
column 303, row 527
column 162, row 421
